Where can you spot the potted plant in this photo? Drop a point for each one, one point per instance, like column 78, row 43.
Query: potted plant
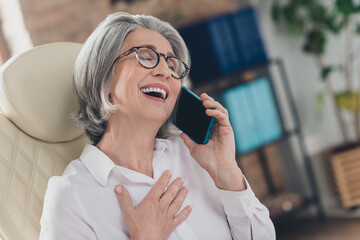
column 315, row 21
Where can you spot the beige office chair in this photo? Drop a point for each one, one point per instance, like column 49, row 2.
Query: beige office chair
column 37, row 137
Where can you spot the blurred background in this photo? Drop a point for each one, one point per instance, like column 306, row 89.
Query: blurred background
column 288, row 72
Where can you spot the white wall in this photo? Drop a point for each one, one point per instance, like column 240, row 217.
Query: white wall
column 16, row 35
column 304, row 79
column 320, row 133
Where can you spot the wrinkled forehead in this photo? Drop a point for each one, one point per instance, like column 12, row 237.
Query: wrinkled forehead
column 150, row 38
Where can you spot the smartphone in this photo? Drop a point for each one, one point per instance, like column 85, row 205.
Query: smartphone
column 190, row 117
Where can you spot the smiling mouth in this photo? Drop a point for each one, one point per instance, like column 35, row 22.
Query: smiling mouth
column 154, row 92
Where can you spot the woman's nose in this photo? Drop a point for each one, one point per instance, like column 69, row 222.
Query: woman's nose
column 162, row 69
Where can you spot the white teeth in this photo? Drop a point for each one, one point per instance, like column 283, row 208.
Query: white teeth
column 163, row 93
column 159, row 90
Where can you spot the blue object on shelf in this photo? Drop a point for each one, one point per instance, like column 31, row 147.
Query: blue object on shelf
column 253, row 114
column 212, row 49
column 246, row 33
column 238, row 102
column 224, row 45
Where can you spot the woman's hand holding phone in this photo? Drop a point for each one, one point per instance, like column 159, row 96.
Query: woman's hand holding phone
column 217, row 157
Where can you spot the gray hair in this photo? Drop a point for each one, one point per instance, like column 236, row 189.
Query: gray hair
column 94, row 68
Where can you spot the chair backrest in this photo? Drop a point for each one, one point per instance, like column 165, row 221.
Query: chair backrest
column 37, row 137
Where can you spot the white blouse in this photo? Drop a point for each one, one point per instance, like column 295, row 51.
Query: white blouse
column 82, row 203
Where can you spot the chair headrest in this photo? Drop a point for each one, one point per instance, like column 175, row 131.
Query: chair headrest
column 36, row 91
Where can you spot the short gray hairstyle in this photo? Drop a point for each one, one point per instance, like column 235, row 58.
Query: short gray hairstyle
column 94, row 68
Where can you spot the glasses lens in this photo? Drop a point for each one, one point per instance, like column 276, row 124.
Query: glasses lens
column 173, row 65
column 177, row 67
column 147, row 57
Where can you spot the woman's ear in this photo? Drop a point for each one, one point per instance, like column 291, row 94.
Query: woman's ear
column 110, row 98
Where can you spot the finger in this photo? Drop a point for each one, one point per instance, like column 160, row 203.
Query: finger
column 124, row 199
column 209, row 102
column 205, row 96
column 216, row 105
column 181, row 216
column 171, row 192
column 189, row 143
column 158, row 189
column 220, row 116
column 178, row 201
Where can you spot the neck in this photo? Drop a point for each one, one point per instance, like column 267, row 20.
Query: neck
column 130, row 143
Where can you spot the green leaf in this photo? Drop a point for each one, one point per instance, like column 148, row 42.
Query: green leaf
column 289, row 14
column 346, row 7
column 318, row 14
column 357, row 29
column 315, row 42
column 336, row 22
column 326, row 71
column 300, row 2
column 348, row 101
column 276, row 12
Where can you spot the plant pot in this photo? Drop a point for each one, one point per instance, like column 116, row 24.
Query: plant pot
column 345, row 162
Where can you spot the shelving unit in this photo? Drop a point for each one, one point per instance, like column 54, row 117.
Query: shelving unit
column 279, row 202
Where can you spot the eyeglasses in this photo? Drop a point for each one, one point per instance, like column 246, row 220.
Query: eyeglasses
column 149, row 58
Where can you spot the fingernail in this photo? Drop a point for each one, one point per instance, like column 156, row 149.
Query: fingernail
column 118, row 189
column 168, row 172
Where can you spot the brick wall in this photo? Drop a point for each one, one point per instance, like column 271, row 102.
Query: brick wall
column 73, row 20
column 62, row 20
column 181, row 12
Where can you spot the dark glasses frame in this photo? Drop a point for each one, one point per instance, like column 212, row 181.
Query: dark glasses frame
column 135, row 49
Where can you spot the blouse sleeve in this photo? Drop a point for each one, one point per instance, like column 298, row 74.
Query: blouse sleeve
column 63, row 215
column 244, row 209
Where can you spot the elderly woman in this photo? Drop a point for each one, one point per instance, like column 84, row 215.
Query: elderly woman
column 140, row 179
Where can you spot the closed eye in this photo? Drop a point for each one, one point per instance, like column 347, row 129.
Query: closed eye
column 172, row 64
column 145, row 58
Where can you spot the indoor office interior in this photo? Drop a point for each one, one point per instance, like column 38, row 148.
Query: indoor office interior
column 288, row 72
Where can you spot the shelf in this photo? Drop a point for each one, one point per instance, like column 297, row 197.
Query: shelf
column 231, row 80
column 283, row 203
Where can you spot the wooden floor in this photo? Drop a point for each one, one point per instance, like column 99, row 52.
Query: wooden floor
column 314, row 229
